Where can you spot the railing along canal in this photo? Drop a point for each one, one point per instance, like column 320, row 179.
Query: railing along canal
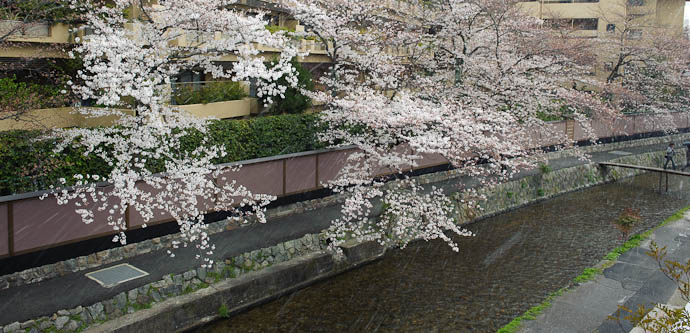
column 28, row 224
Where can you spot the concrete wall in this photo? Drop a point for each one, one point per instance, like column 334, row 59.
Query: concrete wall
column 227, row 109
column 67, row 116
column 523, row 191
column 64, row 117
column 669, row 13
column 57, row 33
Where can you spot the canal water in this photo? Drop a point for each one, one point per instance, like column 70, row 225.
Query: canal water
column 515, row 260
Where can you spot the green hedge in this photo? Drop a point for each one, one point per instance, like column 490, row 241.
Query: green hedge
column 293, row 101
column 38, row 10
column 23, row 96
column 220, row 91
column 30, row 165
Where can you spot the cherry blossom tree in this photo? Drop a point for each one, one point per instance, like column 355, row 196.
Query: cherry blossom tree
column 645, row 62
column 132, row 62
column 469, row 80
column 466, row 79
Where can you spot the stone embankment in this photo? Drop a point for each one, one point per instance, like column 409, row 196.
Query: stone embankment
column 181, row 301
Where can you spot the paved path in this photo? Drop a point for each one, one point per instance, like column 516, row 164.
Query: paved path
column 633, row 280
column 69, row 291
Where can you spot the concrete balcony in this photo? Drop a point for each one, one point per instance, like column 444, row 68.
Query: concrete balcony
column 56, row 118
column 221, row 110
column 65, row 117
column 38, row 32
column 563, row 10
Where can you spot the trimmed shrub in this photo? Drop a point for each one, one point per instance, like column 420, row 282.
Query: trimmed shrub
column 29, row 163
column 17, row 97
column 219, row 91
column 294, row 101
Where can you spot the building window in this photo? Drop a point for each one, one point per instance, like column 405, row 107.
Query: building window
column 577, row 24
column 252, row 87
column 635, row 33
column 187, row 79
column 610, row 27
column 586, row 23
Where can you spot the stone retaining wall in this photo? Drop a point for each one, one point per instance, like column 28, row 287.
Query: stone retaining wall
column 105, row 257
column 171, row 286
column 231, row 277
column 520, row 192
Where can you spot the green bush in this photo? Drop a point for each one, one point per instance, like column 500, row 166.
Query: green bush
column 18, row 97
column 219, row 91
column 275, row 28
column 38, row 10
column 30, row 165
column 293, row 101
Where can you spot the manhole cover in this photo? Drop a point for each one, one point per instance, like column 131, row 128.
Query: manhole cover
column 618, row 152
column 112, row 276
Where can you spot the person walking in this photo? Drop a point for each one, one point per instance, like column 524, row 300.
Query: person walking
column 670, row 152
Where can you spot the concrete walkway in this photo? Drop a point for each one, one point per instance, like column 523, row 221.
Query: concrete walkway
column 45, row 298
column 635, row 279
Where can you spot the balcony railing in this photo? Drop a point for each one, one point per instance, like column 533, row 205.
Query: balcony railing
column 24, row 29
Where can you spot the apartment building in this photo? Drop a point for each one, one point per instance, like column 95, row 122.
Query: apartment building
column 34, row 46
column 30, row 47
column 615, row 22
column 599, row 16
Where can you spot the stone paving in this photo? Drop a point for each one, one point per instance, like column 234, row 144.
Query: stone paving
column 633, row 280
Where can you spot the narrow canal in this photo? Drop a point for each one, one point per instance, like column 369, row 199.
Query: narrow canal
column 513, row 263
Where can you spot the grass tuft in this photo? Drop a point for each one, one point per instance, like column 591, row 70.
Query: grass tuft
column 532, row 313
column 589, row 273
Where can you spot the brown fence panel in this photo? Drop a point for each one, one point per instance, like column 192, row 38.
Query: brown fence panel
column 534, row 135
column 4, row 231
column 380, row 170
column 554, row 134
column 43, row 223
column 159, row 215
column 330, row 164
column 430, row 160
column 258, row 178
column 641, row 124
column 602, row 129
column 579, row 131
column 300, row 174
column 680, row 119
column 654, row 123
column 623, row 126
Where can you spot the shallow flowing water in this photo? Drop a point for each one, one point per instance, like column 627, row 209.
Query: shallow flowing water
column 515, row 260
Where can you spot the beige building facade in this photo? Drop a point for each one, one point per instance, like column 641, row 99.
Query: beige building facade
column 592, row 17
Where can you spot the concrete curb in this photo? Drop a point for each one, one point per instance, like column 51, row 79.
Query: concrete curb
column 198, row 308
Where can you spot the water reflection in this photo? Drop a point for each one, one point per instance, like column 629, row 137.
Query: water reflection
column 513, row 263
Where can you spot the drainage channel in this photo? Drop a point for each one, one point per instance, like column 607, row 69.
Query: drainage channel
column 515, row 260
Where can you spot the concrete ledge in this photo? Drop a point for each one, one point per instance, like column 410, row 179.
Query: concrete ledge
column 198, row 308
